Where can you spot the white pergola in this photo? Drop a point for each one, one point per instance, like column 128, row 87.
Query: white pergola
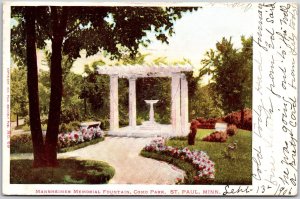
column 179, row 92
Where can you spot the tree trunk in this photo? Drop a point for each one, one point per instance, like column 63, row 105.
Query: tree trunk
column 32, row 83
column 58, row 28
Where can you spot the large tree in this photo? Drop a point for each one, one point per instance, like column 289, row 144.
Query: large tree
column 232, row 74
column 117, row 31
column 32, row 82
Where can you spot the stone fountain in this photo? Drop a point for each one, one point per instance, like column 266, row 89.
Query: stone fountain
column 151, row 113
column 151, row 124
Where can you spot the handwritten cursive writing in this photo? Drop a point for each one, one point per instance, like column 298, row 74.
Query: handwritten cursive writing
column 241, row 189
column 257, row 161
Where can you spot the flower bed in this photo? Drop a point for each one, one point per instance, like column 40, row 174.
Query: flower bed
column 235, row 118
column 207, row 123
column 231, row 118
column 199, row 159
column 221, row 136
column 217, row 136
column 66, row 141
column 79, row 136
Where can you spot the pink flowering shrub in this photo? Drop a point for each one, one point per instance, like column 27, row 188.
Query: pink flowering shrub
column 79, row 136
column 199, row 159
column 231, row 130
column 216, row 136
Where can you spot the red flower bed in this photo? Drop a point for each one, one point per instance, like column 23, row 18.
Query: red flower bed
column 208, row 123
column 217, row 136
column 232, row 118
column 235, row 118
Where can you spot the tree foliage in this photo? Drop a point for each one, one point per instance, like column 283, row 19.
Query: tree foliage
column 19, row 93
column 232, row 73
column 95, row 89
column 204, row 104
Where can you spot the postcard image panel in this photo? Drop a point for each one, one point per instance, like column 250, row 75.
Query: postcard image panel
column 158, row 99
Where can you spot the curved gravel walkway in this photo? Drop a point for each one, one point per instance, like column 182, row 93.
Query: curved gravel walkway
column 123, row 154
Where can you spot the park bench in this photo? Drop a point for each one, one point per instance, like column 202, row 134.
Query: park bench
column 88, row 125
column 220, row 126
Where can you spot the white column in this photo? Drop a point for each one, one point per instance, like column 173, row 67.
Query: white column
column 132, row 101
column 114, row 103
column 184, row 106
column 175, row 108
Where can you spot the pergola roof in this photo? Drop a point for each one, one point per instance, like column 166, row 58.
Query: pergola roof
column 127, row 71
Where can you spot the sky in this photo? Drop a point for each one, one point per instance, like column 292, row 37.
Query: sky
column 199, row 31
column 195, row 33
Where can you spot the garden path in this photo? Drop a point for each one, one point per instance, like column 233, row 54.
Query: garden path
column 123, row 154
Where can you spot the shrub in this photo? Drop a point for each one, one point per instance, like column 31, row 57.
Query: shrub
column 104, row 124
column 26, row 127
column 13, row 117
column 75, row 125
column 192, row 136
column 164, row 119
column 235, row 118
column 64, row 128
column 231, row 118
column 21, row 143
column 231, row 130
column 217, row 136
column 69, row 114
column 195, row 124
column 193, row 131
column 208, row 123
column 139, row 120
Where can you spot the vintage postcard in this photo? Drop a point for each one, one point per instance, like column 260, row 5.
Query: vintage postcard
column 148, row 98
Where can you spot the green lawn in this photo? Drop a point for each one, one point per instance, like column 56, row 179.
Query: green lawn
column 234, row 169
column 70, row 171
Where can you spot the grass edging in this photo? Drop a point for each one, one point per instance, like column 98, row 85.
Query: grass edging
column 81, row 145
column 189, row 169
column 70, row 171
